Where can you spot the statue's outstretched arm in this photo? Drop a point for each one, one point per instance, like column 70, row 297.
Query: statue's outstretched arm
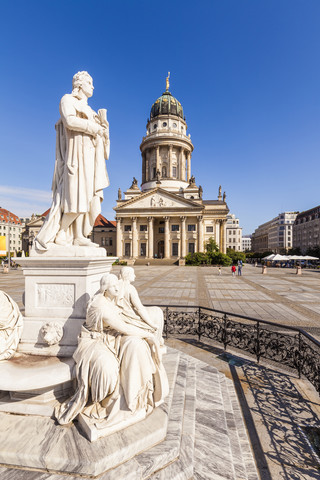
column 114, row 320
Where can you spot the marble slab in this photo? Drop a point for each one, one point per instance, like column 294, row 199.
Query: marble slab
column 57, row 290
column 206, row 437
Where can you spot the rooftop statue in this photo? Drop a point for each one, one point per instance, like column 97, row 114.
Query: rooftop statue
column 80, row 174
column 167, row 82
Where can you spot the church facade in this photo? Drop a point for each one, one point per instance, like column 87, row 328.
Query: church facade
column 167, row 217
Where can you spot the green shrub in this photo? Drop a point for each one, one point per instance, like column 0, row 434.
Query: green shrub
column 197, row 258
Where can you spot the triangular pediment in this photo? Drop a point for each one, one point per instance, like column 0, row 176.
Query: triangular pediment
column 158, row 199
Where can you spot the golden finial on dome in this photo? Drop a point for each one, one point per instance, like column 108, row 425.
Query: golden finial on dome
column 167, row 82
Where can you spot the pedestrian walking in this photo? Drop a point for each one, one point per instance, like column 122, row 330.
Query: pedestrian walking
column 219, row 270
column 239, row 270
column 233, row 270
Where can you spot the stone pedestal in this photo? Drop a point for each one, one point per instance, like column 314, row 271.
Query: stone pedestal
column 264, row 270
column 57, row 290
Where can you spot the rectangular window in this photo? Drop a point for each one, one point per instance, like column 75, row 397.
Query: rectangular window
column 143, row 228
column 209, row 229
column 127, row 228
column 191, row 228
column 174, row 172
column 175, row 228
column 127, row 249
column 143, row 249
column 191, row 248
column 174, row 249
column 161, row 229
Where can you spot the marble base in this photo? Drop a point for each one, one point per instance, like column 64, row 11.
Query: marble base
column 205, row 437
column 55, row 250
column 31, row 385
column 94, row 429
column 57, row 290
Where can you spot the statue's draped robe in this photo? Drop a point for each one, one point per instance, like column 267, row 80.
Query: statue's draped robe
column 80, row 173
column 11, row 324
column 112, row 367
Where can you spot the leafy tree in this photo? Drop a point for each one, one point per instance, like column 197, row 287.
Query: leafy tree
column 218, row 258
column 314, row 251
column 197, row 258
column 236, row 256
column 212, row 246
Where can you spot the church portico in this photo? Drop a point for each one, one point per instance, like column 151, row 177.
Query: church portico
column 167, row 216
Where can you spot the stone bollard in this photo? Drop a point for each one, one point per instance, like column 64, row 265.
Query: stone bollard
column 5, row 269
column 298, row 271
column 264, row 270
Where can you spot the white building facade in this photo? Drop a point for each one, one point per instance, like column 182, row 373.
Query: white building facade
column 246, row 243
column 233, row 233
column 306, row 230
column 275, row 235
column 11, row 228
column 167, row 217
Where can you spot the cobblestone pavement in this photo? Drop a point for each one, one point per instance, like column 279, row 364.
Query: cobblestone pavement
column 280, row 296
column 275, row 404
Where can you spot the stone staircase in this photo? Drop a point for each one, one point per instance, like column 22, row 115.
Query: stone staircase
column 205, row 437
column 155, row 261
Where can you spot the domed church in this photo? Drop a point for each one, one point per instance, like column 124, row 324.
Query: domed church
column 167, row 216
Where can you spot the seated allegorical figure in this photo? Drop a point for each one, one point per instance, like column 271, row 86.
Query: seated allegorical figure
column 11, row 324
column 130, row 303
column 118, row 364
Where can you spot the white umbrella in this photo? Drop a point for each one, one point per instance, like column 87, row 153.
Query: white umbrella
column 269, row 257
column 279, row 258
column 308, row 257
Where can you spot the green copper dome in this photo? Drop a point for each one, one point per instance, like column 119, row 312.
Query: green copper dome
column 166, row 104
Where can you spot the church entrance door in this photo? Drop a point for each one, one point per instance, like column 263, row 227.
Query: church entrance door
column 161, row 249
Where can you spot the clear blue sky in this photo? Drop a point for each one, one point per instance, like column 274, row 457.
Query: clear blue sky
column 247, row 73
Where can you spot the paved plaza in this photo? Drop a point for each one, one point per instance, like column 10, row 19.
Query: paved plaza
column 274, row 403
column 280, row 296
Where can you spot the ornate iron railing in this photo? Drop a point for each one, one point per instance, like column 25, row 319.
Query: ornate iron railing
column 283, row 344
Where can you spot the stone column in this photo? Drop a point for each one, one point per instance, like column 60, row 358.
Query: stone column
column 119, row 237
column 217, row 232
column 143, row 167
column 150, row 237
column 223, row 247
column 166, row 238
column 147, row 165
column 188, row 166
column 134, row 252
column 157, row 158
column 183, row 166
column 183, row 248
column 200, row 234
column 170, row 161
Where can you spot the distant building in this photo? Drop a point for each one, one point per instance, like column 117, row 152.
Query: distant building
column 104, row 232
column 274, row 235
column 233, row 233
column 11, row 228
column 306, row 230
column 168, row 217
column 246, row 243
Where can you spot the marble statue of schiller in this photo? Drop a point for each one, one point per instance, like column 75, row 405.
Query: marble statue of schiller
column 80, row 173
